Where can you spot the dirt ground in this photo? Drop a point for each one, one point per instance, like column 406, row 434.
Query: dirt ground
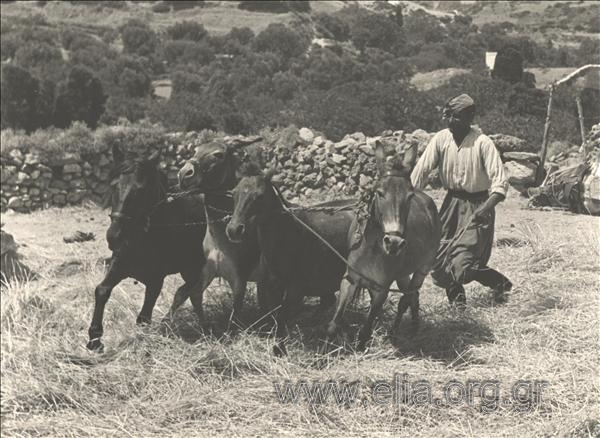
column 199, row 380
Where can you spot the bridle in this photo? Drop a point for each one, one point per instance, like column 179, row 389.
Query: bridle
column 405, row 211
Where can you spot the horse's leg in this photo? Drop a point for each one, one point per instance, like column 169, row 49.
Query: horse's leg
column 291, row 303
column 194, row 291
column 378, row 298
column 153, row 288
column 102, row 294
column 347, row 292
column 405, row 300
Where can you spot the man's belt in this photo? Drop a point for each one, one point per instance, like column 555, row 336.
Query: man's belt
column 467, row 196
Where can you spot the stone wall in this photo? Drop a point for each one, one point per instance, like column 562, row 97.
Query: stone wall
column 306, row 165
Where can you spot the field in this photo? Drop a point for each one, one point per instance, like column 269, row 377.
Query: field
column 203, row 380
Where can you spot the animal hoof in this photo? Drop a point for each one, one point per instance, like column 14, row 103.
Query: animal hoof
column 362, row 346
column 279, row 350
column 95, row 345
column 142, row 320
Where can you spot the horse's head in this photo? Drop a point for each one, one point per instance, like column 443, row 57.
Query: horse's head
column 392, row 197
column 213, row 166
column 254, row 197
column 135, row 193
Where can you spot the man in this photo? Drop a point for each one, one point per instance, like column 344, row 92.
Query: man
column 471, row 170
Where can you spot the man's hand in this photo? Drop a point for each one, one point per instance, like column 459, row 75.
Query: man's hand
column 482, row 214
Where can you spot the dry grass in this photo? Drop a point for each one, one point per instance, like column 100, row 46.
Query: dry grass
column 193, row 382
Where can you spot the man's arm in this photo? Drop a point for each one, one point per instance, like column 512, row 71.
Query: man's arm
column 499, row 182
column 427, row 162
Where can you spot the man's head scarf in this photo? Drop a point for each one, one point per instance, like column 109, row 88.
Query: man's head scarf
column 458, row 104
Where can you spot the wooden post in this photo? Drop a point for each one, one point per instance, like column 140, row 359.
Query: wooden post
column 581, row 126
column 540, row 170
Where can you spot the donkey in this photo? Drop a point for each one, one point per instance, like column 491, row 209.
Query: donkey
column 149, row 237
column 400, row 237
column 212, row 171
column 301, row 263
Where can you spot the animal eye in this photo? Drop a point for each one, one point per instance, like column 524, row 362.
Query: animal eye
column 218, row 155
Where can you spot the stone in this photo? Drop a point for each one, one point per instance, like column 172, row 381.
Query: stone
column 289, row 137
column 74, row 197
column 59, row 199
column 520, row 172
column 367, row 149
column 306, row 135
column 104, row 161
column 72, row 168
column 508, row 143
column 58, row 184
column 35, row 174
column 521, row 156
column 319, row 141
column 32, row 159
column 34, row 191
column 359, row 137
column 337, row 158
column 17, row 156
column 364, row 180
column 15, row 202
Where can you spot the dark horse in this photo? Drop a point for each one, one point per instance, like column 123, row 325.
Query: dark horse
column 300, row 262
column 400, row 237
column 212, row 171
column 149, row 237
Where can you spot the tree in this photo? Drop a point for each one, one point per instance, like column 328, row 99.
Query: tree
column 138, row 38
column 508, row 65
column 332, row 26
column 281, row 40
column 187, row 30
column 80, row 97
column 41, row 59
column 19, row 98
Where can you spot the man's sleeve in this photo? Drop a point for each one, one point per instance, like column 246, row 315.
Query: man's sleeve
column 494, row 168
column 427, row 162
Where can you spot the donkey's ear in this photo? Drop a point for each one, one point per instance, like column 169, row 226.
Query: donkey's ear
column 118, row 155
column 242, row 142
column 410, row 157
column 154, row 158
column 380, row 158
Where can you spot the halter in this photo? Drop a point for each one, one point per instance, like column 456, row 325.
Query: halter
column 406, row 211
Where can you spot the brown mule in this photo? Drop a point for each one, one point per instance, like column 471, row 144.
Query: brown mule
column 400, row 238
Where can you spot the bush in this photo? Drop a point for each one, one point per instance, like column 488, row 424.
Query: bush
column 179, row 5
column 187, row 30
column 369, row 29
column 161, row 7
column 138, row 38
column 274, row 6
column 41, row 59
column 281, row 40
column 331, row 26
column 19, row 101
column 137, row 138
column 80, row 97
column 187, row 52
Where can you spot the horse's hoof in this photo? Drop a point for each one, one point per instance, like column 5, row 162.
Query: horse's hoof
column 279, row 350
column 95, row 345
column 142, row 320
column 362, row 346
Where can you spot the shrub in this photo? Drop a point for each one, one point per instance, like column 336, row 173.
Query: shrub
column 275, row 6
column 161, row 7
column 80, row 97
column 281, row 40
column 41, row 59
column 138, row 38
column 137, row 138
column 332, row 26
column 187, row 52
column 19, row 98
column 179, row 5
column 187, row 30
